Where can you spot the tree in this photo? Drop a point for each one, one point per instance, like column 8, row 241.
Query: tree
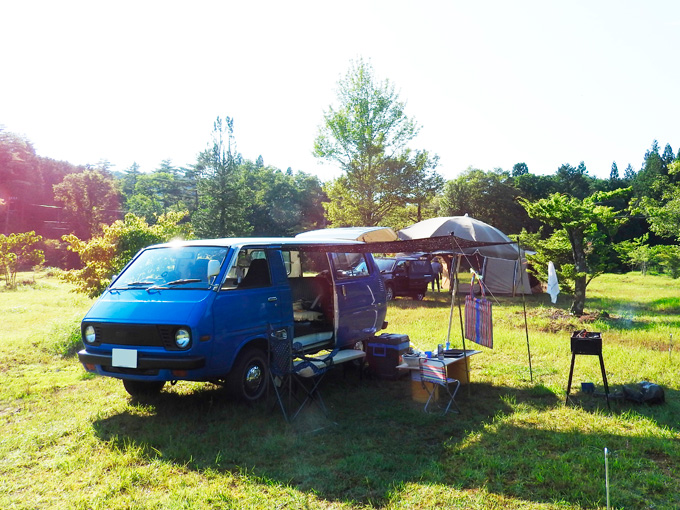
column 222, row 201
column 629, row 173
column 573, row 181
column 422, row 183
column 520, row 169
column 107, row 254
column 162, row 191
column 26, row 187
column 636, row 253
column 668, row 258
column 90, row 200
column 614, row 173
column 663, row 214
column 16, row 252
column 21, row 181
column 668, row 157
column 487, row 196
column 367, row 135
column 129, row 180
column 582, row 220
column 652, row 180
column 281, row 204
column 533, row 187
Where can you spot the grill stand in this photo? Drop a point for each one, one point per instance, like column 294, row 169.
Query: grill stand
column 604, row 374
column 577, row 347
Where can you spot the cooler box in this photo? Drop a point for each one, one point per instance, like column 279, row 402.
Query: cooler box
column 418, row 393
column 384, row 352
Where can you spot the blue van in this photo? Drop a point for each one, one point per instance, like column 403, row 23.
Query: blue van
column 204, row 310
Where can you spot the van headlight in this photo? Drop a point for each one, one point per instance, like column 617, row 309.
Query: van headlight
column 90, row 335
column 182, row 338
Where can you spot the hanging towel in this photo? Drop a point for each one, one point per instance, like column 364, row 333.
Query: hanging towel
column 478, row 317
column 553, row 284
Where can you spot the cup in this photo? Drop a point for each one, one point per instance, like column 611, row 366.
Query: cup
column 428, row 354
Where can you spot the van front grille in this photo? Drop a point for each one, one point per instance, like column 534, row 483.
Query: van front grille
column 143, row 335
column 127, row 334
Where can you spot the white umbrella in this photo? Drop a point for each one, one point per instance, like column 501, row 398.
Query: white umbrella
column 467, row 228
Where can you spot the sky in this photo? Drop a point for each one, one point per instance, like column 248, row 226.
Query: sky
column 491, row 83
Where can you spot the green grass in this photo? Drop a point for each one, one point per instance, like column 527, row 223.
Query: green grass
column 70, row 440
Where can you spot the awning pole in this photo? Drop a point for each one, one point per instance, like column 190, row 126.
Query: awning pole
column 524, row 304
column 456, row 295
column 453, row 281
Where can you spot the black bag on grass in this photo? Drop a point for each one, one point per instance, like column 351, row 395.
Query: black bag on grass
column 644, row 392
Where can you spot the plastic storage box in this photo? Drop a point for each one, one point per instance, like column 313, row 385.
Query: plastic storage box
column 384, row 353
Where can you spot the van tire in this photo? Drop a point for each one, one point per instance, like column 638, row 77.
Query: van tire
column 389, row 292
column 248, row 378
column 143, row 389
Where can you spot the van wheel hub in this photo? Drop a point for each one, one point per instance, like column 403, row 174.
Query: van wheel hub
column 253, row 378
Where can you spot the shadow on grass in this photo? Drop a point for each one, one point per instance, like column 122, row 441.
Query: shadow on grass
column 547, row 466
column 381, row 437
column 381, row 440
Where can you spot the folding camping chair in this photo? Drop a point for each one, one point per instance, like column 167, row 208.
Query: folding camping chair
column 281, row 368
column 308, row 373
column 433, row 371
column 290, row 370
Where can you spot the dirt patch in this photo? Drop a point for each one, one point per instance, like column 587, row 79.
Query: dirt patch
column 556, row 320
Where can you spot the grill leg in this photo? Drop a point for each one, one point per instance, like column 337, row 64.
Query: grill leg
column 571, row 373
column 604, row 378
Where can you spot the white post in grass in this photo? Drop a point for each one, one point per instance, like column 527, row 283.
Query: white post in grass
column 606, row 473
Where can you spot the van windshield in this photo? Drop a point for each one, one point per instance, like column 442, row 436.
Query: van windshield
column 182, row 267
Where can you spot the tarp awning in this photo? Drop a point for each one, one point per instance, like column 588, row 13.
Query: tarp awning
column 441, row 244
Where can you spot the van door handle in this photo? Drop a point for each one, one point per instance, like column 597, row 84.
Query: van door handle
column 344, row 291
column 272, row 299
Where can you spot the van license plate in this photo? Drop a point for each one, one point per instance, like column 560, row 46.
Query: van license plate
column 125, row 358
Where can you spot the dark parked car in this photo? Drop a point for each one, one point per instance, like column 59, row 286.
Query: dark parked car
column 405, row 276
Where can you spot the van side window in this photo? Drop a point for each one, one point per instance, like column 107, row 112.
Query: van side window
column 349, row 265
column 250, row 270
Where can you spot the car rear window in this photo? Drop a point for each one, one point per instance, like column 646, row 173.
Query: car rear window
column 420, row 267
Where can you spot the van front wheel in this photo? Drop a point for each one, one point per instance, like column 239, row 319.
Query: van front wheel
column 248, row 377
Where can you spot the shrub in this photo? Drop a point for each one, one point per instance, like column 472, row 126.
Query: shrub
column 106, row 255
column 17, row 251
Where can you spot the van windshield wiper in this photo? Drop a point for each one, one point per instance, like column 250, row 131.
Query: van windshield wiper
column 132, row 284
column 174, row 282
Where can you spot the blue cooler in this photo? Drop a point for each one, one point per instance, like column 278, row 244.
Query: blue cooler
column 384, row 353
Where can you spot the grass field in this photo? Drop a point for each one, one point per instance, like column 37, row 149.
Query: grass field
column 70, row 440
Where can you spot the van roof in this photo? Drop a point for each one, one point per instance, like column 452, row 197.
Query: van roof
column 257, row 241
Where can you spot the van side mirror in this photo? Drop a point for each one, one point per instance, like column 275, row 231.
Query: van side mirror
column 213, row 268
